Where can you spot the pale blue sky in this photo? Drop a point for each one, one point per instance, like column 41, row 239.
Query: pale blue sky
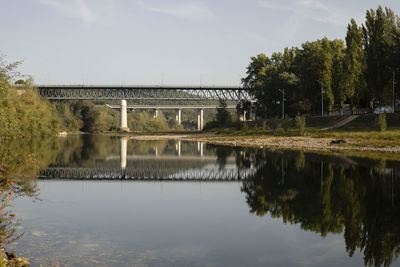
column 206, row 42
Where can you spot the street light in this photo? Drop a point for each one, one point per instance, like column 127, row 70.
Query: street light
column 393, row 103
column 283, row 102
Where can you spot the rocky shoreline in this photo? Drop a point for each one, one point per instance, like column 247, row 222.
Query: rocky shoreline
column 277, row 142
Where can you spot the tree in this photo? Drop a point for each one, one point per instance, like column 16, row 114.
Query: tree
column 354, row 65
column 338, row 73
column 314, row 63
column 378, row 43
column 223, row 116
column 326, row 72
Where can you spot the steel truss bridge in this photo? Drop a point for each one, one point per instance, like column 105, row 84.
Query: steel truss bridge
column 103, row 92
column 148, row 174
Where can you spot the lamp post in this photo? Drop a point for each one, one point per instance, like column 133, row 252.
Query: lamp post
column 283, row 102
column 393, row 99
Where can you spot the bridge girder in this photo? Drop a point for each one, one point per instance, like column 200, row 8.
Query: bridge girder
column 65, row 92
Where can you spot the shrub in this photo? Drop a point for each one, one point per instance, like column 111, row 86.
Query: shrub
column 380, row 122
column 274, row 123
column 301, row 124
column 223, row 116
column 211, row 124
column 264, row 124
column 286, row 124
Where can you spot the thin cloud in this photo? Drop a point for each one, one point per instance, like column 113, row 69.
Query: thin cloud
column 310, row 10
column 183, row 10
column 77, row 9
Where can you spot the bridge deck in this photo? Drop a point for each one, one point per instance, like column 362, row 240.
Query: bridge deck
column 110, row 92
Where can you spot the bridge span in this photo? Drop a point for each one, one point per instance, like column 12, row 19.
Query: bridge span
column 141, row 92
column 155, row 167
column 138, row 92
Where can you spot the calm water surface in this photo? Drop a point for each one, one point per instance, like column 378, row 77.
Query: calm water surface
column 109, row 201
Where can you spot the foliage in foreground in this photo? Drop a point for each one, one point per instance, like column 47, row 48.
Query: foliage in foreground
column 23, row 113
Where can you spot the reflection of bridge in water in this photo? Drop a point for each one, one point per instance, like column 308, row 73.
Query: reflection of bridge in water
column 156, row 167
column 149, row 174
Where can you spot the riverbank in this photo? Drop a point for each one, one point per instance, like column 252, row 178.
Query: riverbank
column 363, row 142
column 314, row 140
column 295, row 142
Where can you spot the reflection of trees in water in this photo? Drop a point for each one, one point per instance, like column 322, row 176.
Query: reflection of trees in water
column 20, row 163
column 325, row 196
column 222, row 153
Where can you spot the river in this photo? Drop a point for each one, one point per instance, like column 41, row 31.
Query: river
column 90, row 200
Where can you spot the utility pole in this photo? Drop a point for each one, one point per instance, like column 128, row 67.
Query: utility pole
column 394, row 101
column 283, row 102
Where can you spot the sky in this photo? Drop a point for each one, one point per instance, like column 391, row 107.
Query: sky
column 163, row 42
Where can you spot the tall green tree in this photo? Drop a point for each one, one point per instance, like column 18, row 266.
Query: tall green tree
column 326, row 72
column 378, row 43
column 338, row 73
column 354, row 65
column 313, row 65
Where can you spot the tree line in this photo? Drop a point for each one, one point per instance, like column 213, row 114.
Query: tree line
column 358, row 71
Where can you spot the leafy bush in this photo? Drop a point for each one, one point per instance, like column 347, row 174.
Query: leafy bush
column 223, row 119
column 223, row 116
column 274, row 123
column 25, row 115
column 380, row 122
column 301, row 124
column 286, row 124
column 211, row 124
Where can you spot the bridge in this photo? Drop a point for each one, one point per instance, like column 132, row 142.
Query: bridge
column 175, row 93
column 115, row 92
column 147, row 174
column 155, row 167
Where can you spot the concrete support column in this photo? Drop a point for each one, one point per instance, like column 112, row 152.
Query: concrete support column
column 123, row 147
column 155, row 113
column 200, row 148
column 124, row 117
column 178, row 116
column 200, row 120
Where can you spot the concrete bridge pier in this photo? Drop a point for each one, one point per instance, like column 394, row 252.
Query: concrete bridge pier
column 243, row 116
column 200, row 120
column 156, row 113
column 124, row 117
column 178, row 147
column 200, row 148
column 123, row 151
column 178, row 116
